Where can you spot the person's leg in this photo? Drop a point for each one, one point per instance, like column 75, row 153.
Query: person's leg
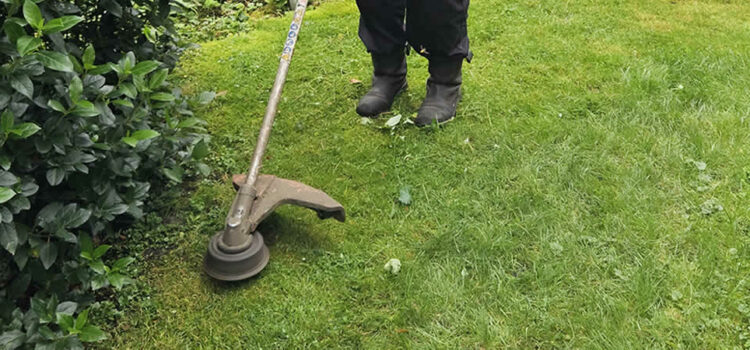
column 437, row 30
column 381, row 28
column 381, row 25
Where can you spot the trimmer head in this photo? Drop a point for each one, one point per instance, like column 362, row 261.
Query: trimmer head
column 238, row 264
column 225, row 266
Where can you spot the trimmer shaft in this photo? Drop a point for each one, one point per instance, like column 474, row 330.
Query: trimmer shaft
column 238, row 252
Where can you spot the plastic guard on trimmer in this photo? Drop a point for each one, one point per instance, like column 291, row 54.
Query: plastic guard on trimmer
column 273, row 192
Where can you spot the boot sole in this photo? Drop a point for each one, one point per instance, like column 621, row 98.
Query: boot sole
column 375, row 116
column 438, row 123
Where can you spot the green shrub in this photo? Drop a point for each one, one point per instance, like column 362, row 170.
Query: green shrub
column 203, row 20
column 89, row 124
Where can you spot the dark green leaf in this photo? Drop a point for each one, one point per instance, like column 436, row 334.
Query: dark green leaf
column 69, row 343
column 77, row 67
column 125, row 103
column 86, row 244
column 200, row 150
column 98, row 266
column 72, row 217
column 12, row 339
column 85, row 108
column 54, row 60
column 162, row 96
column 101, row 69
column 48, row 213
column 189, row 122
column 26, row 44
column 90, row 334
column 75, row 89
column 5, row 162
column 7, row 178
column 23, row 84
column 82, row 319
column 47, row 334
column 99, row 281
column 203, row 169
column 130, row 141
column 13, row 31
column 42, row 145
column 58, row 42
column 66, row 322
column 117, row 209
column 61, row 24
column 32, row 14
column 66, row 308
column 88, row 57
column 106, row 116
column 66, row 236
column 101, row 250
column 158, row 78
column 5, row 214
column 128, row 62
column 122, row 263
column 174, row 174
column 140, row 83
column 29, row 189
column 144, row 134
column 94, row 82
column 21, row 257
column 6, row 120
column 128, row 90
column 39, row 306
column 23, row 232
column 55, row 176
column 18, row 108
column 139, row 135
column 118, row 280
column 9, row 237
column 145, row 67
column 48, row 254
column 6, row 194
column 56, row 105
column 18, row 204
column 24, row 130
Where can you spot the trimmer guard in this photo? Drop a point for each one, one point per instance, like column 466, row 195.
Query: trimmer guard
column 273, row 192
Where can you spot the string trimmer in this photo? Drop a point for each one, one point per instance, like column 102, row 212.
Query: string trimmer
column 239, row 252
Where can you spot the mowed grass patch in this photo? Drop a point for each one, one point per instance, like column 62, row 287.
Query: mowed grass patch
column 591, row 193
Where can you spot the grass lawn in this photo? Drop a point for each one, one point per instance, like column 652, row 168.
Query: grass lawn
column 592, row 192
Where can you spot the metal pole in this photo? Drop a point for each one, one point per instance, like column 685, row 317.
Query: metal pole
column 236, row 237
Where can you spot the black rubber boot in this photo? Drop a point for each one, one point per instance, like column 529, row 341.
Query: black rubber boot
column 443, row 92
column 388, row 79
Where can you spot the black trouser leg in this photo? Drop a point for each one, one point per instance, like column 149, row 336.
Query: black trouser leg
column 435, row 28
column 381, row 25
column 381, row 28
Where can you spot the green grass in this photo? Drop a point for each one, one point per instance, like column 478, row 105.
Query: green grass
column 565, row 207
